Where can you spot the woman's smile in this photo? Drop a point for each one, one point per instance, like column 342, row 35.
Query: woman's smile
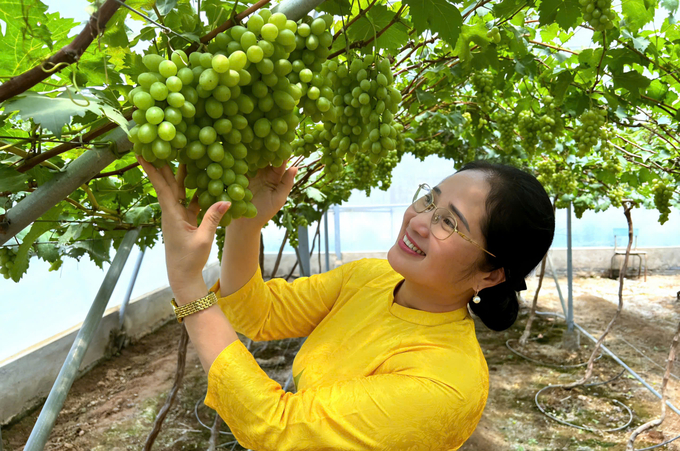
column 408, row 245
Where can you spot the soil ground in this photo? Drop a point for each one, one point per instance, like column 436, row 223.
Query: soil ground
column 113, row 406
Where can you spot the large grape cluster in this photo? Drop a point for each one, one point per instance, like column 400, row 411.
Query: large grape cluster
column 590, row 130
column 528, row 128
column 232, row 110
column 663, row 194
column 7, row 257
column 483, row 84
column 598, row 13
column 506, row 127
column 361, row 119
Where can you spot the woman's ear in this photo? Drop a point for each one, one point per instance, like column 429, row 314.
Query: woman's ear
column 493, row 278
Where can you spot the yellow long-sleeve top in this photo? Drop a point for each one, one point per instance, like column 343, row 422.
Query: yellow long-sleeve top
column 372, row 374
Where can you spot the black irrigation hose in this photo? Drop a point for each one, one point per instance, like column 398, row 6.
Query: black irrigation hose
column 630, row 413
column 552, row 365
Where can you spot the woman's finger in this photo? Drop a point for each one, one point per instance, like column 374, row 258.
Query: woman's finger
column 166, row 197
column 193, row 209
column 156, row 179
column 169, row 177
column 181, row 175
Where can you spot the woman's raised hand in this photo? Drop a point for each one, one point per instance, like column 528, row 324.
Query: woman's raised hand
column 187, row 247
column 270, row 188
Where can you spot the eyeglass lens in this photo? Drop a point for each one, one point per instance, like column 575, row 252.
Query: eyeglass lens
column 443, row 223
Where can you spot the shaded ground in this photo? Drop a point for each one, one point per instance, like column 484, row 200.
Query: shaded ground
column 114, row 405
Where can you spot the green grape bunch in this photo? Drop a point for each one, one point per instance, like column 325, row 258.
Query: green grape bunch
column 361, row 118
column 528, row 127
column 505, row 123
column 494, row 34
column 590, row 130
column 598, row 14
column 483, row 84
column 663, row 193
column 7, row 258
column 233, row 109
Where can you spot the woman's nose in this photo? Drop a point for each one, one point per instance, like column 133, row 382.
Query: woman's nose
column 420, row 223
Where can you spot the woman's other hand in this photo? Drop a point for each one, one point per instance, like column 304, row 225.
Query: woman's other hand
column 187, row 247
column 270, row 188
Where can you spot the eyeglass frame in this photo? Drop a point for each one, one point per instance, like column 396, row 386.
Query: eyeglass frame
column 436, row 218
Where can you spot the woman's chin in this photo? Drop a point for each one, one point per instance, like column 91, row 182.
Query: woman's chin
column 393, row 258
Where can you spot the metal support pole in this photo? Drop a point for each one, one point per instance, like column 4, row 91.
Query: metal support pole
column 303, row 251
column 296, row 9
column 49, row 194
column 336, row 223
column 126, row 300
column 55, row 401
column 570, row 275
column 325, row 235
column 557, row 285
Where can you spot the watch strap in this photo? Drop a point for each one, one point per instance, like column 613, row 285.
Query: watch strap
column 193, row 307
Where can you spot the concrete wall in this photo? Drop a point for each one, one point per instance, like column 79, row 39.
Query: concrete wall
column 26, row 378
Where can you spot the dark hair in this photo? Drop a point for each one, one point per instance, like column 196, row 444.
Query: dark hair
column 518, row 227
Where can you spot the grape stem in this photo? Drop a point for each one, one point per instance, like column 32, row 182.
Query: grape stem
column 149, row 19
column 359, row 44
column 120, row 171
column 32, row 162
column 67, row 55
column 599, row 65
column 362, row 12
column 228, row 24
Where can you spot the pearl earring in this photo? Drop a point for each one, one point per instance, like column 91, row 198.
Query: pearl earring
column 476, row 299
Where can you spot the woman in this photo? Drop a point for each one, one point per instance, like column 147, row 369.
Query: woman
column 391, row 361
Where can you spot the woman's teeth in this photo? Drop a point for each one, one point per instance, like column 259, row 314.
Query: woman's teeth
column 412, row 246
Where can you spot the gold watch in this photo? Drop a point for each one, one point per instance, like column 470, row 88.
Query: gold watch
column 194, row 307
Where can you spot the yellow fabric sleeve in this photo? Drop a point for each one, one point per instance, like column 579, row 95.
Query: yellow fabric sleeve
column 278, row 309
column 378, row 412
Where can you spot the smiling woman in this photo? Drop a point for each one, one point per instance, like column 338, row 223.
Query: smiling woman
column 501, row 223
column 391, row 361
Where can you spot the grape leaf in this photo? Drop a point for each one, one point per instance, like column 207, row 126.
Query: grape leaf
column 670, row 5
column 29, row 34
column 636, row 14
column 439, row 16
column 377, row 18
column 565, row 12
column 37, row 229
column 336, row 8
column 47, row 252
column 165, row 6
column 73, row 232
column 315, row 194
column 633, row 81
column 137, row 215
column 97, row 249
column 11, row 179
column 53, row 113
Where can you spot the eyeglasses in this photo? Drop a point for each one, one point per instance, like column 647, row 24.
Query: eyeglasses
column 443, row 223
